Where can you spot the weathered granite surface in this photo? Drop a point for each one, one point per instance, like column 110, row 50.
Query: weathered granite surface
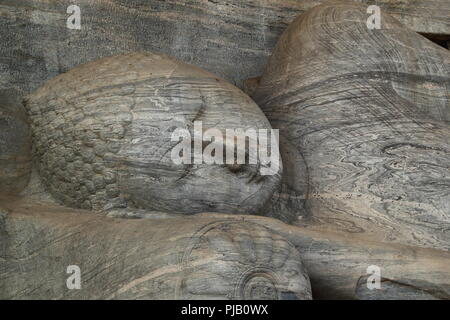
column 232, row 38
column 102, row 135
column 15, row 144
column 173, row 258
column 366, row 115
column 393, row 290
column 201, row 256
column 365, row 146
column 337, row 264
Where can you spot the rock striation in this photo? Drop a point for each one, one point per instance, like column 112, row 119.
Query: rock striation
column 366, row 115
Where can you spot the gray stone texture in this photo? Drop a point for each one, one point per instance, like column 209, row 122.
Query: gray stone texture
column 174, row 258
column 201, row 256
column 231, row 38
column 15, row 144
column 365, row 144
column 366, row 113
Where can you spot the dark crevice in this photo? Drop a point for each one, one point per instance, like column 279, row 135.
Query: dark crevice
column 442, row 40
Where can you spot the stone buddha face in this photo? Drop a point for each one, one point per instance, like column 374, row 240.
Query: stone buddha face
column 104, row 137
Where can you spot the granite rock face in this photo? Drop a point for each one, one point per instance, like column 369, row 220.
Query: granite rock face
column 103, row 138
column 15, row 144
column 231, row 38
column 363, row 116
column 366, row 114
